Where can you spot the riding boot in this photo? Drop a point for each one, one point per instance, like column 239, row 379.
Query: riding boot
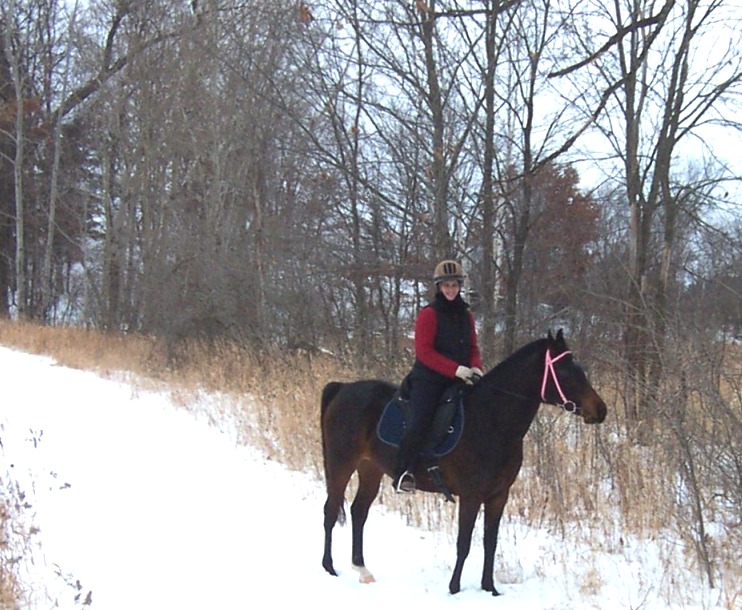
column 404, row 480
column 435, row 474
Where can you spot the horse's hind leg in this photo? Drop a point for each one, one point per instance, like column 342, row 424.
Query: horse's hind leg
column 336, row 484
column 369, row 479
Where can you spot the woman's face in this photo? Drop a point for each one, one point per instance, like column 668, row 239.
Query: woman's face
column 450, row 288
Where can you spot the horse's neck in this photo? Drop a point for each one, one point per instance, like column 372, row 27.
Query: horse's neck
column 509, row 396
column 513, row 414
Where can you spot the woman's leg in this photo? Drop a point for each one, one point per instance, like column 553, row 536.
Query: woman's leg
column 424, row 397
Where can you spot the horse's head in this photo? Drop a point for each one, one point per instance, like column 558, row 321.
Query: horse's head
column 565, row 383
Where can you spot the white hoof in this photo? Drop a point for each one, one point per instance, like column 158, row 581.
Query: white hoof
column 364, row 575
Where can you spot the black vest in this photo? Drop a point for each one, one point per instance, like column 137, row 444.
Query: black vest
column 453, row 330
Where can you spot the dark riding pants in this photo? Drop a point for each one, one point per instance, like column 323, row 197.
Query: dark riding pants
column 425, row 393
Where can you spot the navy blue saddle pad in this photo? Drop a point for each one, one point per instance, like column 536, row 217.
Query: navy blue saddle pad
column 445, row 433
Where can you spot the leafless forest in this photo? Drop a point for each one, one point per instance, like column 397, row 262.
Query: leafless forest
column 284, row 175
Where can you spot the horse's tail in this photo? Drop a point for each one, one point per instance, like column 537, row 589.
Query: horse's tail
column 328, row 393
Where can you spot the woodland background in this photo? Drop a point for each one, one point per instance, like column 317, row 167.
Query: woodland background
column 283, row 176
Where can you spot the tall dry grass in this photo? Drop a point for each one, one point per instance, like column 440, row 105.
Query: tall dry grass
column 17, row 536
column 593, row 485
column 14, row 543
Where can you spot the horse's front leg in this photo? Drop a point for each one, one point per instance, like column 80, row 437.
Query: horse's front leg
column 369, row 479
column 468, row 510
column 492, row 515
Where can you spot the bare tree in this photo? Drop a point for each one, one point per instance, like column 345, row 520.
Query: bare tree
column 47, row 278
column 12, row 52
column 538, row 126
column 664, row 100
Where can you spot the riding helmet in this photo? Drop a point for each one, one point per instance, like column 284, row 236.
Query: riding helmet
column 448, row 270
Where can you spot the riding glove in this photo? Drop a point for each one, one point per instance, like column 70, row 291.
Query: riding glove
column 465, row 373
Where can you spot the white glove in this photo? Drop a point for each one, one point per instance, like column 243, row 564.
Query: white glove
column 465, row 373
column 476, row 374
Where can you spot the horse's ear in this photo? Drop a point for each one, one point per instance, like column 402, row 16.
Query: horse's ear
column 557, row 341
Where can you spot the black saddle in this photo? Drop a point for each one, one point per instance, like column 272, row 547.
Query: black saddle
column 445, row 431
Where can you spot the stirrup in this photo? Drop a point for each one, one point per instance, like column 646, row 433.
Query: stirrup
column 435, row 474
column 405, row 483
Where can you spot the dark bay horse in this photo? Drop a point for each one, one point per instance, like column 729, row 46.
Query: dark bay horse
column 480, row 470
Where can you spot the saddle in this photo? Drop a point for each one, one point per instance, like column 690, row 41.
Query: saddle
column 445, row 430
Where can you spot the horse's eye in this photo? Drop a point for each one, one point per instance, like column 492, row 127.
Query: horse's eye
column 578, row 365
column 572, row 372
column 567, row 372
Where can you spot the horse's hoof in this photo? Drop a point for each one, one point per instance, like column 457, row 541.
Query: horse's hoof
column 365, row 577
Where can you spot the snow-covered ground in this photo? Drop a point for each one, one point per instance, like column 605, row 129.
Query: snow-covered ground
column 142, row 504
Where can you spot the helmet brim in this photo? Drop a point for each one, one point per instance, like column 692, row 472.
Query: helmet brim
column 446, row 278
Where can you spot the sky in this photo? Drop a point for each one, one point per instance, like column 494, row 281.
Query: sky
column 147, row 505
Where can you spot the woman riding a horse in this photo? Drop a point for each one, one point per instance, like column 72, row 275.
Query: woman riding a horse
column 482, row 465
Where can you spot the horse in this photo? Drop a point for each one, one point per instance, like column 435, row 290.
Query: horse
column 480, row 469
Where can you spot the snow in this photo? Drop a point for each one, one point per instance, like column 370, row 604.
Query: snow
column 144, row 504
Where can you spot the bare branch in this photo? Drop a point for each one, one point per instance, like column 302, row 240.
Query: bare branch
column 658, row 19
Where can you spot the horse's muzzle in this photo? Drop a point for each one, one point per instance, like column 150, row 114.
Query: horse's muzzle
column 595, row 413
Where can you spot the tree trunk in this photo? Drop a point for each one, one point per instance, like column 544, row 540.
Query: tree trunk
column 442, row 242
column 20, row 243
column 489, row 291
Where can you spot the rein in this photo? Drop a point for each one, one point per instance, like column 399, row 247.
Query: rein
column 567, row 405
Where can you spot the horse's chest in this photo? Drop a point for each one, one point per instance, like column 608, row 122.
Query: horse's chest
column 506, row 462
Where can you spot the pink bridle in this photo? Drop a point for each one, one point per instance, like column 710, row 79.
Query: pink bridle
column 568, row 405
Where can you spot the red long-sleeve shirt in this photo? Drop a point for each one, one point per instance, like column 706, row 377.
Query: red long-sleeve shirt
column 425, row 331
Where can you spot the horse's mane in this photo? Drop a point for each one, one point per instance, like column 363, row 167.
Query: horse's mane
column 517, row 357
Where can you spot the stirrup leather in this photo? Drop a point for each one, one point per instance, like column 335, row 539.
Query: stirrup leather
column 435, row 474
